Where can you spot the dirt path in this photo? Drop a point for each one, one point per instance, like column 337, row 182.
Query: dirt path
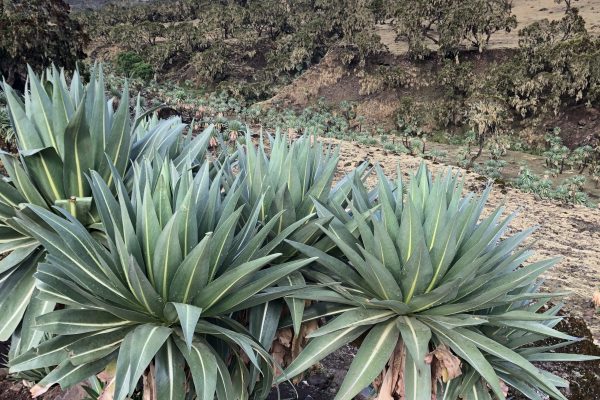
column 570, row 232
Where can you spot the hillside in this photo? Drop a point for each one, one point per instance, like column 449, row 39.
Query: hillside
column 94, row 4
column 526, row 11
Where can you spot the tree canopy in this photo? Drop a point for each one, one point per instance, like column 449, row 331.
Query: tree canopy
column 37, row 33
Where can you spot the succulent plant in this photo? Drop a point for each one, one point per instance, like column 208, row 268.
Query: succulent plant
column 63, row 131
column 166, row 286
column 439, row 294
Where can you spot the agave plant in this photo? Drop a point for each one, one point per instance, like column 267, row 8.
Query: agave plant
column 63, row 131
column 291, row 179
column 439, row 296
column 292, row 182
column 167, row 286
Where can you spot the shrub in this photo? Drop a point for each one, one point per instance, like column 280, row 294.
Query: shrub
column 571, row 191
column 37, row 33
column 488, row 119
column 449, row 25
column 557, row 65
column 7, row 134
column 529, row 182
column 557, row 154
column 491, row 168
column 132, row 65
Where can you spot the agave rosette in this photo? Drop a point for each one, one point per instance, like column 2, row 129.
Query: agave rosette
column 62, row 132
column 293, row 183
column 439, row 295
column 166, row 285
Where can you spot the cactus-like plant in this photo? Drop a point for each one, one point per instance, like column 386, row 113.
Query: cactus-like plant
column 165, row 287
column 442, row 297
column 62, row 131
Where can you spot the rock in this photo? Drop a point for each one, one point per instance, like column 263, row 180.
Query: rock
column 338, row 377
column 74, row 393
column 318, row 380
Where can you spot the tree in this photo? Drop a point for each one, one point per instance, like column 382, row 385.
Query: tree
column 558, row 64
column 268, row 17
column 450, row 24
column 38, row 33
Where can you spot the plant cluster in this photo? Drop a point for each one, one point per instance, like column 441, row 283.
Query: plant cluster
column 569, row 191
column 558, row 156
column 63, row 131
column 135, row 256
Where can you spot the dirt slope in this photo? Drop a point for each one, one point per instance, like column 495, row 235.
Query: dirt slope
column 570, row 232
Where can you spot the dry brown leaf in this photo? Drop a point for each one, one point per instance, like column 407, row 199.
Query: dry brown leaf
column 285, row 336
column 377, row 382
column 385, row 390
column 38, row 390
column 396, row 364
column 149, row 384
column 504, row 388
column 297, row 342
column 445, row 365
column 308, row 328
column 108, row 377
column 596, row 298
column 278, row 352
